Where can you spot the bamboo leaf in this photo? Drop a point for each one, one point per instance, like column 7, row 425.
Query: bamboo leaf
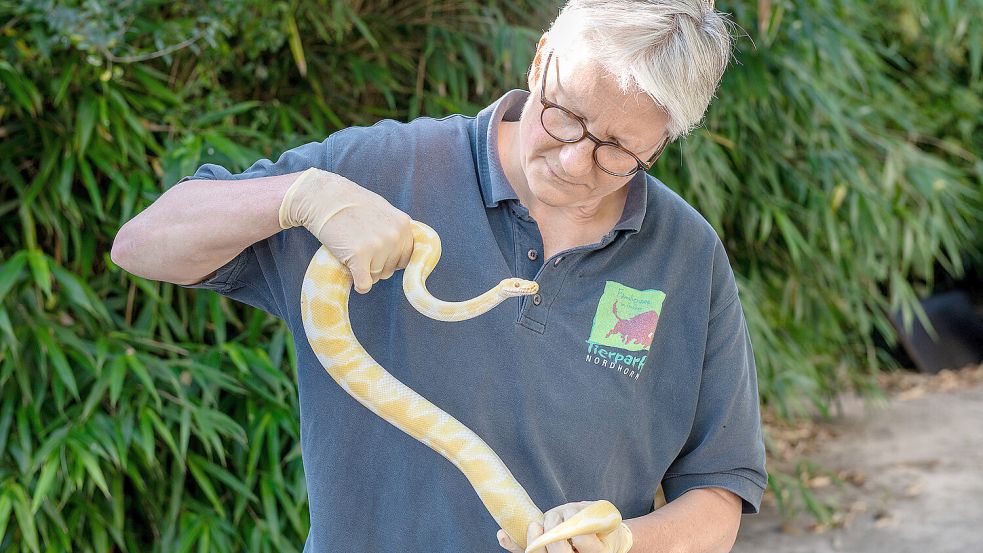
column 117, row 371
column 93, row 469
column 22, row 89
column 270, row 508
column 151, row 81
column 85, row 119
column 6, row 418
column 10, row 271
column 54, row 441
column 58, row 360
column 45, row 481
column 39, row 268
column 296, row 47
column 141, row 371
column 49, row 158
column 25, row 519
column 6, row 506
column 205, row 484
column 239, row 155
column 63, row 81
column 96, row 394
column 78, row 292
column 164, row 432
column 89, row 180
column 237, row 109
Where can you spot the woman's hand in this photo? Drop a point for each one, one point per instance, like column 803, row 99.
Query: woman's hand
column 359, row 227
column 618, row 541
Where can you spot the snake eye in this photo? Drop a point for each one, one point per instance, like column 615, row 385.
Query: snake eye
column 517, row 284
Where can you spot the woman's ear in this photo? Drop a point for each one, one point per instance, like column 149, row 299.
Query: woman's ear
column 537, row 62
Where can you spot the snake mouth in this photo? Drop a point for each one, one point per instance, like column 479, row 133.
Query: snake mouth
column 514, row 287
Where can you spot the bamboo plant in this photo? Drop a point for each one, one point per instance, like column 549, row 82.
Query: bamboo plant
column 839, row 163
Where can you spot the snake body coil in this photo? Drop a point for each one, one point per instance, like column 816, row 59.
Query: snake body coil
column 324, row 307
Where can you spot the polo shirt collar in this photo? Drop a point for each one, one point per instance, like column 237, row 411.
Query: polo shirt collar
column 495, row 186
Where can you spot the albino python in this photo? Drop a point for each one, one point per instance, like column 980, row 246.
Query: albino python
column 324, row 306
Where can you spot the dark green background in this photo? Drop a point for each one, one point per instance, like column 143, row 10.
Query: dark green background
column 840, row 164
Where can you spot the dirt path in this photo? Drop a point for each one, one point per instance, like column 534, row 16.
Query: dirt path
column 913, row 471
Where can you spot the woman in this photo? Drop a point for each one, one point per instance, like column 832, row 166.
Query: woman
column 629, row 369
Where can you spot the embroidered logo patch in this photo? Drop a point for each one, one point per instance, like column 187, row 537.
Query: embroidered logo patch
column 623, row 328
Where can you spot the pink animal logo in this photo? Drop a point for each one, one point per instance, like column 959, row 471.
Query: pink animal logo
column 626, row 318
column 639, row 329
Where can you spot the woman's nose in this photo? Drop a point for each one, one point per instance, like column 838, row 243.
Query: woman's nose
column 577, row 159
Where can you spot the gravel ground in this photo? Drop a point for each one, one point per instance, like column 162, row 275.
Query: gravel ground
column 906, row 475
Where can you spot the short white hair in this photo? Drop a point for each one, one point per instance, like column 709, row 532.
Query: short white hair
column 675, row 51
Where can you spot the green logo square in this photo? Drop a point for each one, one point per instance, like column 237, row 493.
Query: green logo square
column 626, row 318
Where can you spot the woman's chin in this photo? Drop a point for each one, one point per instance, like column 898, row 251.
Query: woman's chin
column 553, row 194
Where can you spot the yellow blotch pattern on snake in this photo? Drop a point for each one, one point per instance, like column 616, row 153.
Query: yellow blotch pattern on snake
column 324, row 308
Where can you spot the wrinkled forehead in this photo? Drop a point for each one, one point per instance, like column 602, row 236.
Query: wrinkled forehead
column 575, row 76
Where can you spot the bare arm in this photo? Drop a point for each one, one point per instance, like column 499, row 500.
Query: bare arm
column 703, row 520
column 199, row 225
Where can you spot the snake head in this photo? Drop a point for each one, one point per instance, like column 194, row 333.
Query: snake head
column 514, row 287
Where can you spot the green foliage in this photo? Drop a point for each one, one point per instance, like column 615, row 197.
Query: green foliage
column 135, row 415
column 839, row 164
column 837, row 189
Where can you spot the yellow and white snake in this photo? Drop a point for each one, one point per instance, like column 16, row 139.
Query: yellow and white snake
column 324, row 307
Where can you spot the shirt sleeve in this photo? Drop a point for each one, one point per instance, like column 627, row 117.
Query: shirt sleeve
column 725, row 448
column 253, row 276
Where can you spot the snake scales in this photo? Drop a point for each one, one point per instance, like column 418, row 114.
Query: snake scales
column 324, row 307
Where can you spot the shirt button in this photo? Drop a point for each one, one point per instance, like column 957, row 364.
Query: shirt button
column 533, row 254
column 537, row 299
column 557, row 261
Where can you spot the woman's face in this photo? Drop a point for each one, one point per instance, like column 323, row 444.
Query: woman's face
column 564, row 175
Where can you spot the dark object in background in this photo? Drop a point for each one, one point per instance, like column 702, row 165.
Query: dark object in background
column 960, row 334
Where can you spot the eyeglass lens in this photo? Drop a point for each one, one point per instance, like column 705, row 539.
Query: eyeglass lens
column 566, row 128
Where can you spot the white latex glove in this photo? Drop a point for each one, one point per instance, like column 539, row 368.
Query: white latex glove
column 359, row 227
column 619, row 541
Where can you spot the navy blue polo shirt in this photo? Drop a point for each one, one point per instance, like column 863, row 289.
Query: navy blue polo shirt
column 631, row 368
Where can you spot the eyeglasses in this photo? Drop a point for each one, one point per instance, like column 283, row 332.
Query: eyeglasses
column 568, row 127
